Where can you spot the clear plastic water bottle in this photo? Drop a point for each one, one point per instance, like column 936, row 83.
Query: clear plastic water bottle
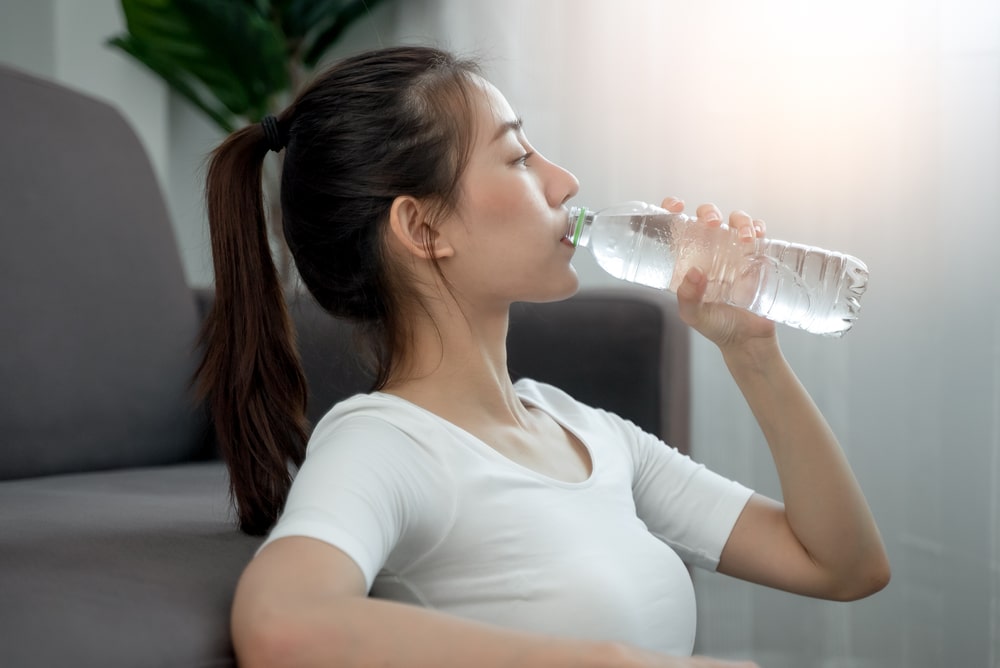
column 805, row 287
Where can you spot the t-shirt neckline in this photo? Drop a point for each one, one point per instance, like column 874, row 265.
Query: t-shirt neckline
column 486, row 449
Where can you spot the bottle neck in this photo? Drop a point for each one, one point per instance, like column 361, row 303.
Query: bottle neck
column 580, row 219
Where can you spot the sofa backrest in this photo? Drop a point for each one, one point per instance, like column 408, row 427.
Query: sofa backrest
column 97, row 324
column 622, row 349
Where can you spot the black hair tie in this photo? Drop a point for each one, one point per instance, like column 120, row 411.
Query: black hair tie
column 272, row 133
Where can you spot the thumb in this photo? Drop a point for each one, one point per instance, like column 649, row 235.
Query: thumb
column 690, row 293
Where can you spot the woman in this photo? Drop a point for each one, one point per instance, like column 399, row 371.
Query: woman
column 528, row 529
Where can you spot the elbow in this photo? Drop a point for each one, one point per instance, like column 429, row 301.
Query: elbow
column 878, row 578
column 268, row 638
column 867, row 579
column 259, row 642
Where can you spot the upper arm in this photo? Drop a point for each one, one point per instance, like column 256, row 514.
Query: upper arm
column 763, row 549
column 372, row 492
column 283, row 584
column 689, row 507
column 300, row 564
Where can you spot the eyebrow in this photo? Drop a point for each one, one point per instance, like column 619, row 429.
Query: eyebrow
column 509, row 126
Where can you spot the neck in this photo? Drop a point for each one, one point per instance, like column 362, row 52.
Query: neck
column 456, row 365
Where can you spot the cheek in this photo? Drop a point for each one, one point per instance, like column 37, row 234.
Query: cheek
column 494, row 190
column 489, row 202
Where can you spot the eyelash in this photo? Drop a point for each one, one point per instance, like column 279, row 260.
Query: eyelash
column 524, row 159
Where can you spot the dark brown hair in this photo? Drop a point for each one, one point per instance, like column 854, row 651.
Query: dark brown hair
column 382, row 124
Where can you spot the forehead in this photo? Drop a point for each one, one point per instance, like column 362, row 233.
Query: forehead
column 491, row 109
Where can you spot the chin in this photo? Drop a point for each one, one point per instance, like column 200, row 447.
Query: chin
column 559, row 292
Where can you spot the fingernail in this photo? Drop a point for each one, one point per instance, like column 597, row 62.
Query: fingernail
column 711, row 217
column 694, row 275
column 746, row 232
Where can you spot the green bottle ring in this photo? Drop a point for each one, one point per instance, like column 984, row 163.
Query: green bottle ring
column 578, row 228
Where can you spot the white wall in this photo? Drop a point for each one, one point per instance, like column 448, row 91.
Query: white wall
column 64, row 40
column 26, row 35
column 869, row 127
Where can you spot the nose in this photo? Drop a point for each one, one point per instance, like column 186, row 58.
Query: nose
column 562, row 185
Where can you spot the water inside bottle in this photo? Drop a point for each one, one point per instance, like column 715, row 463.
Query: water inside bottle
column 637, row 248
column 801, row 286
column 805, row 287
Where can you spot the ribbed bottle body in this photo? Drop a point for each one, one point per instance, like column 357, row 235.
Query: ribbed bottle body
column 801, row 286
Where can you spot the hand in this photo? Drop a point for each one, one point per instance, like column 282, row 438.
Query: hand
column 724, row 325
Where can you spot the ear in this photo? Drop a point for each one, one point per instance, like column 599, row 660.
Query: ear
column 408, row 222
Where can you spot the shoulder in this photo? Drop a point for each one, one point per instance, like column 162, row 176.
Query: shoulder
column 569, row 410
column 549, row 397
column 380, row 434
column 374, row 419
column 371, row 485
column 371, row 411
column 370, row 449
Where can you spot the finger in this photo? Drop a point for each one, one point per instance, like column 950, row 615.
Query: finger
column 689, row 295
column 743, row 224
column 673, row 204
column 709, row 213
column 760, row 227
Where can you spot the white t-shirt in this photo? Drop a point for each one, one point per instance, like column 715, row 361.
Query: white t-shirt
column 435, row 517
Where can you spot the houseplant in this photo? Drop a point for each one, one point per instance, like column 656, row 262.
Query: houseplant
column 237, row 60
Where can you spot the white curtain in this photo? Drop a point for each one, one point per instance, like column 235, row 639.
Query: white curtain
column 868, row 127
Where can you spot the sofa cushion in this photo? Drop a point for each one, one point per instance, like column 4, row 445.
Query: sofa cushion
column 98, row 324
column 121, row 568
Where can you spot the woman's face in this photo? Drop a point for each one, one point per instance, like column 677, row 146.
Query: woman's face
column 508, row 228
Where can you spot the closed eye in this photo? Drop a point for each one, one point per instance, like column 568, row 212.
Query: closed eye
column 523, row 160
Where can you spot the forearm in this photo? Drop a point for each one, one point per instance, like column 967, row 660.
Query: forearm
column 301, row 602
column 357, row 631
column 824, row 505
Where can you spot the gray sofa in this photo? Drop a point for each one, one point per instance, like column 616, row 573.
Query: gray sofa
column 117, row 545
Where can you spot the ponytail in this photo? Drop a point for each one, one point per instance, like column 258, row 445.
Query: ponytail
column 385, row 123
column 250, row 376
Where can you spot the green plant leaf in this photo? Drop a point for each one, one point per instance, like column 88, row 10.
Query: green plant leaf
column 219, row 54
column 318, row 24
column 299, row 17
column 247, row 46
column 177, row 80
column 234, row 59
column 262, row 7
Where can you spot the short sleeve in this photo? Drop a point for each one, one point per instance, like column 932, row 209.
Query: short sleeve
column 684, row 504
column 370, row 490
